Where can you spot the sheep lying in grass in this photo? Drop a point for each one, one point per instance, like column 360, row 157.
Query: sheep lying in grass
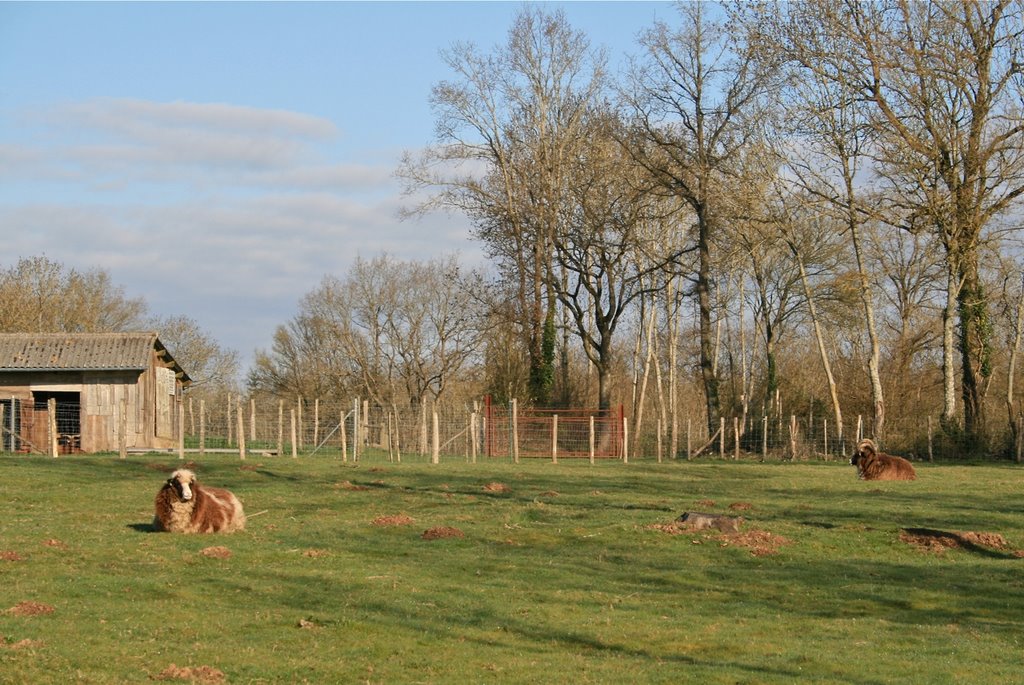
column 184, row 506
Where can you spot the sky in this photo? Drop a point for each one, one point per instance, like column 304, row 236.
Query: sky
column 219, row 159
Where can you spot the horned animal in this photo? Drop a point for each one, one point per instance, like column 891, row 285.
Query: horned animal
column 874, row 465
column 185, row 506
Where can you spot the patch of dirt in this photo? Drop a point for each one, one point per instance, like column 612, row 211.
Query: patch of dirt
column 440, row 532
column 549, row 493
column 348, row 485
column 217, row 552
column 20, row 644
column 53, row 542
column 496, row 487
column 199, row 674
column 761, row 543
column 30, row 609
column 316, row 553
column 705, row 503
column 741, row 506
column 938, row 541
column 394, row 520
column 10, row 555
column 306, row 623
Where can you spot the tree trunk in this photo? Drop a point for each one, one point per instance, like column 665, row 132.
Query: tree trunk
column 707, row 343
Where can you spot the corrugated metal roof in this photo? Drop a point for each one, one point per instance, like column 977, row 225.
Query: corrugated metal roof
column 80, row 352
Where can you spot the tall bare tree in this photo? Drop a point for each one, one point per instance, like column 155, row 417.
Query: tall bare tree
column 505, row 128
column 943, row 79
column 696, row 96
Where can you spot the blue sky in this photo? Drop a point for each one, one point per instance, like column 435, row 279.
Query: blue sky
column 219, row 159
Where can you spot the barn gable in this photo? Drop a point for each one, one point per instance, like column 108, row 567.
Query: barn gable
column 103, row 384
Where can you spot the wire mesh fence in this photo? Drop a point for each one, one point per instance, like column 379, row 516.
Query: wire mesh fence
column 357, row 430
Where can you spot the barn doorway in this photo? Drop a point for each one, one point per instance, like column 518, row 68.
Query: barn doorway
column 69, row 417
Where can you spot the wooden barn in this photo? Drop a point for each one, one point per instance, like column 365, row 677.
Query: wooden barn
column 89, row 377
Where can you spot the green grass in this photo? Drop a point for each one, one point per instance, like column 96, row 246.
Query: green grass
column 557, row 580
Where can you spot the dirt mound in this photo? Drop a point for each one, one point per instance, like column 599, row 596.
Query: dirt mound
column 741, row 506
column 316, row 553
column 199, row 674
column 217, row 552
column 706, row 503
column 53, row 542
column 440, row 532
column 348, row 485
column 10, row 555
column 394, row 520
column 496, row 487
column 939, row 541
column 761, row 543
column 30, row 609
column 20, row 644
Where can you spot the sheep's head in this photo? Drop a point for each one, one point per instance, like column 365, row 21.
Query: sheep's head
column 182, row 481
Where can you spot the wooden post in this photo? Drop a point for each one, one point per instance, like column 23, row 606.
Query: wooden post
column 824, row 439
column 316, row 424
column 435, row 446
column 202, row 427
column 736, row 438
column 3, row 440
column 515, row 430
column 241, row 436
column 792, row 436
column 122, row 429
column 230, row 418
column 689, row 439
column 344, row 442
column 297, row 425
column 181, row 430
column 280, row 428
column 764, row 436
column 252, row 419
column 554, row 438
column 423, row 427
column 295, row 447
column 51, row 425
column 860, row 428
column 472, row 436
column 591, row 438
column 721, row 437
column 355, row 430
column 191, row 418
column 625, row 440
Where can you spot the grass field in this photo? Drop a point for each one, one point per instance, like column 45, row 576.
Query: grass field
column 563, row 573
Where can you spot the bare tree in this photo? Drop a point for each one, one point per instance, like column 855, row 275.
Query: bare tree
column 40, row 295
column 943, row 79
column 696, row 97
column 208, row 364
column 505, row 130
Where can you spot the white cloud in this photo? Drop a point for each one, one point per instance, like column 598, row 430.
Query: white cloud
column 225, row 214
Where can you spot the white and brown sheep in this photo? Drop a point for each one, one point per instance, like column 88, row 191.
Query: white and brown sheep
column 185, row 506
column 874, row 465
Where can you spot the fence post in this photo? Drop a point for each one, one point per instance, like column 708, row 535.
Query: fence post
column 316, row 423
column 930, row 440
column 591, row 438
column 721, row 437
column 625, row 440
column 736, row 437
column 297, row 427
column 792, row 436
column 355, row 430
column 344, row 442
column 689, row 440
column 764, row 436
column 295, row 448
column 554, row 438
column 241, row 436
column 472, row 436
column 202, row 427
column 824, row 430
column 230, row 426
column 280, row 428
column 252, row 419
column 435, row 447
column 515, row 430
column 51, row 425
column 181, row 431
